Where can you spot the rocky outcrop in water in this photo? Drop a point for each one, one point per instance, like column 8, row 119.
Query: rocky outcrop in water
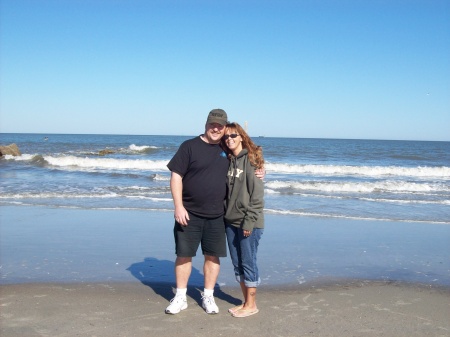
column 105, row 152
column 11, row 149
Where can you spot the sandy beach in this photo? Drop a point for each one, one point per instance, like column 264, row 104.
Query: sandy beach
column 134, row 309
column 69, row 272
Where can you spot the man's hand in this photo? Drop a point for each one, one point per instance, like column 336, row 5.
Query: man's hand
column 181, row 216
column 176, row 186
column 261, row 173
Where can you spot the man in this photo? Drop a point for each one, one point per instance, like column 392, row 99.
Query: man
column 198, row 185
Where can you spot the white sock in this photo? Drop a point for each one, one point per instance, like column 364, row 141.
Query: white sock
column 181, row 292
column 208, row 292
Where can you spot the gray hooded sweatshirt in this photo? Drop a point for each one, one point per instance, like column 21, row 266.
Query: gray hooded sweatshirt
column 245, row 201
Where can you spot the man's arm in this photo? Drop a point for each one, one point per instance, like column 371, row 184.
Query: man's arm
column 176, row 187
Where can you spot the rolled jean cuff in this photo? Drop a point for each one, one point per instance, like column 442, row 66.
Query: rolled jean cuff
column 240, row 278
column 250, row 284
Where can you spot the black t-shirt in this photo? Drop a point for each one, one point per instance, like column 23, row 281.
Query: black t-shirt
column 204, row 169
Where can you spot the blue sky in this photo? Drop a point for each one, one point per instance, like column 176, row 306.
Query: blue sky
column 314, row 69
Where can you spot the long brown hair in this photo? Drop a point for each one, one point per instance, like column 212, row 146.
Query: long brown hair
column 254, row 151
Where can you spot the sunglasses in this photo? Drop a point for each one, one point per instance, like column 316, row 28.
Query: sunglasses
column 233, row 135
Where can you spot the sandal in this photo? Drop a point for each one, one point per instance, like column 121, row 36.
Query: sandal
column 236, row 308
column 244, row 313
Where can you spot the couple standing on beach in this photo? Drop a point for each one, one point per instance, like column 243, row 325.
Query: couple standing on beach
column 223, row 164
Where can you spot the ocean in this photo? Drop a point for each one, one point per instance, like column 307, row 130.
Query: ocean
column 332, row 178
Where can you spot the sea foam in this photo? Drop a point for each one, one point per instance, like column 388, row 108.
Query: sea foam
column 358, row 187
column 107, row 163
column 370, row 171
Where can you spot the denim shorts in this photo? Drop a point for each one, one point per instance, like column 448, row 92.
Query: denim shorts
column 243, row 251
column 210, row 233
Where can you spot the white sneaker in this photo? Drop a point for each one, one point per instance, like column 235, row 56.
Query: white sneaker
column 177, row 304
column 209, row 304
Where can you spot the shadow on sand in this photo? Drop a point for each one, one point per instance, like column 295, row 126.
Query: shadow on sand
column 159, row 275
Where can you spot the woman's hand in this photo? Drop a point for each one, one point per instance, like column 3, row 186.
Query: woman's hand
column 247, row 233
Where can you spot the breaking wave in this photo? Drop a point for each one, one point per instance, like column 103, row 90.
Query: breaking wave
column 370, row 171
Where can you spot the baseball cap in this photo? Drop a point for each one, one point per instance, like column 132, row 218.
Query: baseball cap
column 217, row 116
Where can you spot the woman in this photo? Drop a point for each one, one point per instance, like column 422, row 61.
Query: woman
column 244, row 217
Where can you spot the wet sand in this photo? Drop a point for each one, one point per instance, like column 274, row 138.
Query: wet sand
column 67, row 272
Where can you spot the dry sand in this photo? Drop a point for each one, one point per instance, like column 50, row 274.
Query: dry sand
column 135, row 309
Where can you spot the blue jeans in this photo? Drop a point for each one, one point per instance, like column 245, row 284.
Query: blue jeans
column 243, row 252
